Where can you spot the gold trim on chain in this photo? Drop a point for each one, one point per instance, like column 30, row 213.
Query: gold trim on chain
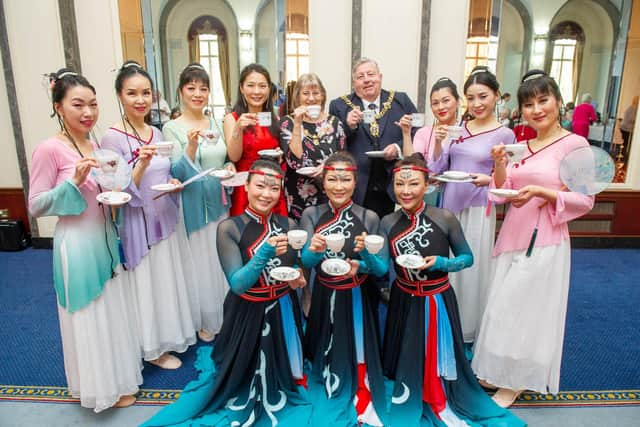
column 374, row 128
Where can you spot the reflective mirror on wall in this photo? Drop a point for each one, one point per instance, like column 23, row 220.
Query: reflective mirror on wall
column 591, row 48
column 222, row 35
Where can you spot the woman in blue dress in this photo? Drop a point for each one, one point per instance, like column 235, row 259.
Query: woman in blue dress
column 204, row 202
column 342, row 340
column 253, row 374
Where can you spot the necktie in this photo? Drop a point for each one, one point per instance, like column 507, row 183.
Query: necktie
column 372, row 107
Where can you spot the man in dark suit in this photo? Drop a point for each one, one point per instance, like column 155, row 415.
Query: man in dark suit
column 369, row 115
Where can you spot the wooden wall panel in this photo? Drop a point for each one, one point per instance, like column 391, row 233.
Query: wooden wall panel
column 13, row 199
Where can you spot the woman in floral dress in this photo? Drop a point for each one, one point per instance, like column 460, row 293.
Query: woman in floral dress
column 308, row 137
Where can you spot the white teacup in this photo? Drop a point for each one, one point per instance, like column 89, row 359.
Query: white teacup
column 417, row 120
column 108, row 162
column 368, row 116
column 210, row 136
column 373, row 243
column 264, row 119
column 313, row 111
column 164, row 148
column 454, row 132
column 297, row 238
column 515, row 152
column 335, row 241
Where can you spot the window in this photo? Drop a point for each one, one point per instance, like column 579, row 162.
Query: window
column 297, row 54
column 562, row 65
column 480, row 51
column 210, row 60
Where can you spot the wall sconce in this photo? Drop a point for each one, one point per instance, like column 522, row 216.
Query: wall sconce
column 246, row 47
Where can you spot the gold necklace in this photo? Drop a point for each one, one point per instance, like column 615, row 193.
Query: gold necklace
column 374, row 128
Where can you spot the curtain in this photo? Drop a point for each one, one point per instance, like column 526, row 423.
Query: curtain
column 577, row 63
column 194, row 48
column 223, row 59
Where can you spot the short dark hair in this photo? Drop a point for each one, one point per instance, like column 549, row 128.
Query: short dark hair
column 340, row 157
column 193, row 72
column 264, row 163
column 537, row 82
column 445, row 83
column 415, row 159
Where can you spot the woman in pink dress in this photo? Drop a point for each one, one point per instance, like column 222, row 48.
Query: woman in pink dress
column 519, row 346
column 583, row 115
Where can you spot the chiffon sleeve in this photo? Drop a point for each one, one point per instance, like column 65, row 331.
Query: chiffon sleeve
column 569, row 206
column 372, row 263
column 440, row 164
column 307, row 222
column 463, row 257
column 45, row 197
column 240, row 277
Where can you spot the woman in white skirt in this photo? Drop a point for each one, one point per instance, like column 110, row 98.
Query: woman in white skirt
column 154, row 242
column 519, row 346
column 95, row 300
column 465, row 194
column 200, row 146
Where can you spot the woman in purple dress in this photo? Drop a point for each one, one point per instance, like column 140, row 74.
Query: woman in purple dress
column 467, row 198
column 154, row 242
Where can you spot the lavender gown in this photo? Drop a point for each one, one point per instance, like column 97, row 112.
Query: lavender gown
column 156, row 253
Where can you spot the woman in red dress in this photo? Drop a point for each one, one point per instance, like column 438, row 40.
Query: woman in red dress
column 244, row 136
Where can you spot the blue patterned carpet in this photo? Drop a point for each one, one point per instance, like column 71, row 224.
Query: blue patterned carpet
column 601, row 351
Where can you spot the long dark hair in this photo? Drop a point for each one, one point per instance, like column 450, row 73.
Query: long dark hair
column 241, row 105
column 534, row 83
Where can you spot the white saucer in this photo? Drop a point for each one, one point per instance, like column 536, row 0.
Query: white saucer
column 455, row 175
column 236, row 181
column 276, row 152
column 113, row 198
column 445, row 179
column 222, row 173
column 375, row 154
column 335, row 267
column 164, row 187
column 307, row 171
column 504, row 192
column 284, row 274
column 410, row 261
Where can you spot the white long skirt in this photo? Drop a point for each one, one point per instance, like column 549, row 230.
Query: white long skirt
column 522, row 332
column 163, row 304
column 101, row 348
column 471, row 284
column 211, row 286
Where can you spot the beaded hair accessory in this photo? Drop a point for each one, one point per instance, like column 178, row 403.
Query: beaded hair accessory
column 130, row 64
column 196, row 66
column 480, row 70
column 405, row 171
column 534, row 76
column 65, row 74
